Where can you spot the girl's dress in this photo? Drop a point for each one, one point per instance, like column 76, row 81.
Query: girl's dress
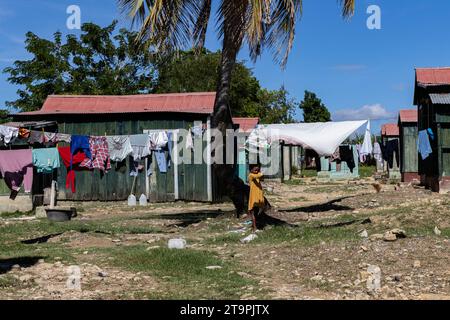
column 256, row 198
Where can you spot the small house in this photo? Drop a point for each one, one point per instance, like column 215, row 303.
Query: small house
column 432, row 98
column 128, row 115
column 244, row 126
column 407, row 123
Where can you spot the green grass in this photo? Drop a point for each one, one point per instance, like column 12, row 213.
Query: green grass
column 367, row 171
column 294, row 182
column 309, row 173
column 184, row 272
column 16, row 214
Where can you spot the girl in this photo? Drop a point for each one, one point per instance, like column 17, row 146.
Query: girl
column 256, row 198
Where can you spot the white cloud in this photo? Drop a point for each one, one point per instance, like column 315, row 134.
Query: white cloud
column 372, row 112
column 349, row 67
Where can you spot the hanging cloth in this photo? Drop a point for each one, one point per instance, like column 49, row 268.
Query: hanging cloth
column 16, row 166
column 119, row 147
column 8, row 134
column 71, row 162
column 366, row 148
column 46, row 160
column 158, row 140
column 423, row 144
column 346, row 153
column 99, row 155
column 189, row 140
column 80, row 143
column 140, row 144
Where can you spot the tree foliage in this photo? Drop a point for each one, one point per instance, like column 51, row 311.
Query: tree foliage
column 96, row 62
column 313, row 109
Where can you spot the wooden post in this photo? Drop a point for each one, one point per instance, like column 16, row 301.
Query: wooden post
column 53, row 195
column 208, row 160
column 175, row 157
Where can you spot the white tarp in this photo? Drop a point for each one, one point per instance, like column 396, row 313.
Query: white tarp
column 366, row 148
column 322, row 137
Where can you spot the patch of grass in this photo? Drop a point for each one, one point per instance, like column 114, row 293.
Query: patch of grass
column 184, row 271
column 367, row 171
column 8, row 281
column 294, row 182
column 298, row 199
column 309, row 173
column 16, row 214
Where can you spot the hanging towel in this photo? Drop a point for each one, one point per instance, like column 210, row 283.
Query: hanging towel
column 119, row 147
column 423, row 144
column 8, row 134
column 62, row 137
column 377, row 154
column 16, row 166
column 430, row 133
column 140, row 144
column 99, row 155
column 366, row 148
column 71, row 162
column 80, row 143
column 46, row 160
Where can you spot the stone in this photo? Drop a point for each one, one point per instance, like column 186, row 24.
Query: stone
column 249, row 238
column 373, row 282
column 416, row 264
column 364, row 234
column 102, row 274
column 376, row 236
column 437, row 231
column 399, row 233
column 389, row 236
column 15, row 267
column 363, row 248
column 336, row 260
column 40, row 213
column 25, row 278
column 177, row 244
column 213, row 267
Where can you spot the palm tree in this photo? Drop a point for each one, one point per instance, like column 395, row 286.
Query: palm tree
column 261, row 24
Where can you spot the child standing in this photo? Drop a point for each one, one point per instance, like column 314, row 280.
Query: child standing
column 256, row 199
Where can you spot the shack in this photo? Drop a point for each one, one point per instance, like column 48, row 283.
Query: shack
column 244, row 127
column 432, row 98
column 127, row 115
column 390, row 132
column 409, row 167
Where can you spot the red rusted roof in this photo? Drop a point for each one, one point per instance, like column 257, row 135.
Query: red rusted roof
column 390, row 129
column 409, row 115
column 246, row 124
column 196, row 102
column 433, row 76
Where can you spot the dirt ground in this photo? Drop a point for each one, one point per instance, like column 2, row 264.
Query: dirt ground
column 318, row 244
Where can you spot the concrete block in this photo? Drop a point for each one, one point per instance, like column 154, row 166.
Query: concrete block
column 22, row 203
column 40, row 213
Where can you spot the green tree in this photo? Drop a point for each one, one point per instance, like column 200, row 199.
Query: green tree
column 99, row 61
column 192, row 71
column 313, row 109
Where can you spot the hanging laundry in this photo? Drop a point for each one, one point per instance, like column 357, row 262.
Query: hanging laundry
column 46, row 160
column 336, row 156
column 36, row 137
column 423, row 144
column 140, row 144
column 16, row 166
column 169, row 148
column 62, row 137
column 24, row 133
column 8, row 134
column 366, row 148
column 71, row 162
column 99, row 155
column 197, row 131
column 189, row 141
column 119, row 147
column 377, row 154
column 430, row 133
column 161, row 159
column 346, row 153
column 80, row 143
column 137, row 166
column 50, row 138
column 158, row 140
column 391, row 149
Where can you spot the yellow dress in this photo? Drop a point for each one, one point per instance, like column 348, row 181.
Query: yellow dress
column 256, row 198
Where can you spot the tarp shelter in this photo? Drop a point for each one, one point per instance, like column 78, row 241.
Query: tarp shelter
column 322, row 137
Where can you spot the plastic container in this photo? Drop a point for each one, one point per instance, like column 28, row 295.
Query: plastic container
column 142, row 200
column 177, row 244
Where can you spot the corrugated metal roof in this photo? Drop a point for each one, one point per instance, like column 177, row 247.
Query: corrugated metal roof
column 440, row 98
column 246, row 124
column 196, row 102
column 390, row 129
column 408, row 115
column 30, row 124
column 433, row 76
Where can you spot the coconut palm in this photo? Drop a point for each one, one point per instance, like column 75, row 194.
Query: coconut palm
column 261, row 24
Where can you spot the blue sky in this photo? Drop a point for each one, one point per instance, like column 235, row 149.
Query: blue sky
column 357, row 72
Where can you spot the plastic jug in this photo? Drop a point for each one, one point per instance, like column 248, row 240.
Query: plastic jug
column 177, row 244
column 142, row 200
column 131, row 200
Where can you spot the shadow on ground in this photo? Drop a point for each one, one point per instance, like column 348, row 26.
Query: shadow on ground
column 24, row 262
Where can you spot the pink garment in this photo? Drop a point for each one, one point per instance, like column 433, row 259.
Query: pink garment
column 17, row 166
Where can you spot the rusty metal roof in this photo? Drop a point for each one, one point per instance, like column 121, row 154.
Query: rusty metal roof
column 440, row 98
column 246, row 124
column 408, row 115
column 390, row 130
column 433, row 76
column 196, row 102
